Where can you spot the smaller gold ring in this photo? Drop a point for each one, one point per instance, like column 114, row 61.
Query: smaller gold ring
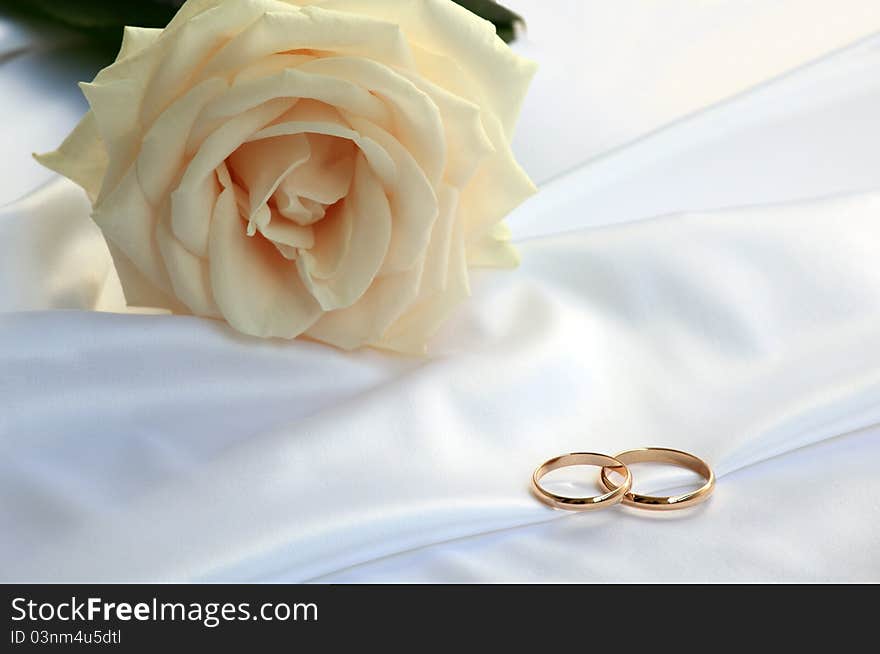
column 671, row 457
column 610, row 498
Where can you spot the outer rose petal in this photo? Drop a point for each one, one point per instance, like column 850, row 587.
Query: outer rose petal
column 115, row 107
column 437, row 260
column 291, row 28
column 81, row 157
column 451, row 30
column 493, row 249
column 189, row 274
column 134, row 90
column 468, row 145
column 138, row 290
column 367, row 320
column 192, row 46
column 128, row 220
column 135, row 39
column 190, row 9
column 498, row 186
column 411, row 332
column 500, row 183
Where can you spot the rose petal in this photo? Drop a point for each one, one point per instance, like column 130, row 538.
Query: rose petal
column 190, row 9
column 135, row 39
column 414, row 205
column 497, row 188
column 332, row 245
column 138, row 290
column 271, row 65
column 190, row 211
column 417, row 123
column 257, row 290
column 128, row 220
column 450, row 30
column 289, row 253
column 292, row 84
column 493, row 249
column 191, row 215
column 262, row 165
column 367, row 319
column 164, row 143
column 467, row 142
column 115, row 107
column 350, row 243
column 315, row 29
column 412, row 331
column 326, row 177
column 190, row 275
column 316, row 118
column 188, row 46
column 81, row 157
column 294, row 208
column 436, row 269
column 284, row 232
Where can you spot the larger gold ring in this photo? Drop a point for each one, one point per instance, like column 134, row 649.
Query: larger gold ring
column 671, row 457
column 610, row 498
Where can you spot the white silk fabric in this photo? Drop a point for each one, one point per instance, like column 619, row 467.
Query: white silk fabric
column 712, row 286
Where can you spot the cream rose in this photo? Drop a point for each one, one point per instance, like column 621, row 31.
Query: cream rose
column 327, row 168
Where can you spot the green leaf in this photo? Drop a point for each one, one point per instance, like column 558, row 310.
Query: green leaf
column 507, row 24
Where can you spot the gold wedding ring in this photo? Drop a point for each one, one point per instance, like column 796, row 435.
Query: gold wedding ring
column 612, row 497
column 660, row 455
